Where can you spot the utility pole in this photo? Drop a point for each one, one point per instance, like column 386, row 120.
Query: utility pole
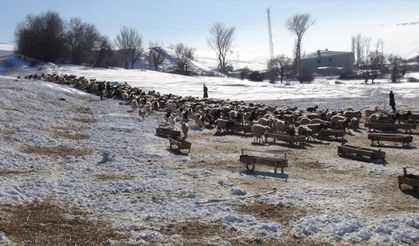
column 271, row 46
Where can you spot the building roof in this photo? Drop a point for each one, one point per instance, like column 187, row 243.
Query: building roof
column 325, row 53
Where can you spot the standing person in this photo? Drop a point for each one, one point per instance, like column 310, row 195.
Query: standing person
column 100, row 88
column 108, row 90
column 205, row 92
column 392, row 101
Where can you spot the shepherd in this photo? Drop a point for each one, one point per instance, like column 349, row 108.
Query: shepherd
column 392, row 101
column 205, row 92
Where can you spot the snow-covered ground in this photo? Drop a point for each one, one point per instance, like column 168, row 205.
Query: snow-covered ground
column 143, row 190
column 235, row 89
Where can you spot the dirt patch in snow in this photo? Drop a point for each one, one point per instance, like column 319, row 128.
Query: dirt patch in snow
column 277, row 212
column 11, row 109
column 47, row 223
column 85, row 120
column 278, row 242
column 82, row 110
column 70, row 135
column 196, row 230
column 59, row 150
column 8, row 135
column 5, row 172
column 112, row 177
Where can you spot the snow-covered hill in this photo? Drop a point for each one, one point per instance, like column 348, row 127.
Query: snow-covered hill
column 53, row 140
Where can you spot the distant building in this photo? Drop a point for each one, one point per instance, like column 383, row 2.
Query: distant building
column 325, row 62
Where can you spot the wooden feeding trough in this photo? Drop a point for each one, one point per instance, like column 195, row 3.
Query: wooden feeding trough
column 409, row 180
column 180, row 144
column 167, row 132
column 325, row 134
column 390, row 127
column 377, row 137
column 253, row 157
column 361, row 154
column 291, row 140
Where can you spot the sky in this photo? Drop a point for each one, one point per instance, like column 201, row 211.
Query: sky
column 188, row 21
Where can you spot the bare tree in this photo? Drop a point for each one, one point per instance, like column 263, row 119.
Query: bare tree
column 41, row 37
column 130, row 44
column 155, row 55
column 299, row 24
column 280, row 65
column 81, row 38
column 396, row 70
column 376, row 61
column 104, row 54
column 221, row 41
column 184, row 55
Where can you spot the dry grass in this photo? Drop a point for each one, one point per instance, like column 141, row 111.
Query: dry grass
column 70, row 135
column 83, row 110
column 67, row 128
column 196, row 230
column 85, row 120
column 276, row 212
column 11, row 109
column 8, row 135
column 5, row 172
column 278, row 242
column 113, row 177
column 46, row 223
column 59, row 150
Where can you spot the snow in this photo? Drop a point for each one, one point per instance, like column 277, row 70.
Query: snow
column 235, row 89
column 6, row 49
column 163, row 188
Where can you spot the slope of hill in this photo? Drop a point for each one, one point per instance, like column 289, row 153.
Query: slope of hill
column 94, row 163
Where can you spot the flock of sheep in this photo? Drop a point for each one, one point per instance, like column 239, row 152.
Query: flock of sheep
column 225, row 115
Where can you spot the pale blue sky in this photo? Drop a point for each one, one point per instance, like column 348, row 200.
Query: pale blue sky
column 188, row 21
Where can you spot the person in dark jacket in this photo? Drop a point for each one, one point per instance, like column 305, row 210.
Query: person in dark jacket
column 205, row 92
column 392, row 101
column 108, row 90
column 100, row 89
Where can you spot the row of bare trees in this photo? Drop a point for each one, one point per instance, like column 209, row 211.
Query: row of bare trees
column 47, row 37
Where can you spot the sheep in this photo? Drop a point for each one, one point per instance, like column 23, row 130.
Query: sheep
column 304, row 130
column 223, row 125
column 304, row 121
column 172, row 121
column 339, row 122
column 352, row 114
column 125, row 96
column 141, row 113
column 198, row 120
column 258, row 131
column 312, row 109
column 354, row 124
column 281, row 126
column 185, row 129
column 369, row 112
column 380, row 118
column 154, row 105
column 263, row 121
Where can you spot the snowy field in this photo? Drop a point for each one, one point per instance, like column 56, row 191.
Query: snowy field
column 235, row 89
column 53, row 139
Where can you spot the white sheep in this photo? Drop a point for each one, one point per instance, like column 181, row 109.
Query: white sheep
column 338, row 122
column 263, row 121
column 281, row 126
column 258, row 131
column 185, row 130
column 352, row 114
column 304, row 130
column 198, row 121
column 304, row 121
